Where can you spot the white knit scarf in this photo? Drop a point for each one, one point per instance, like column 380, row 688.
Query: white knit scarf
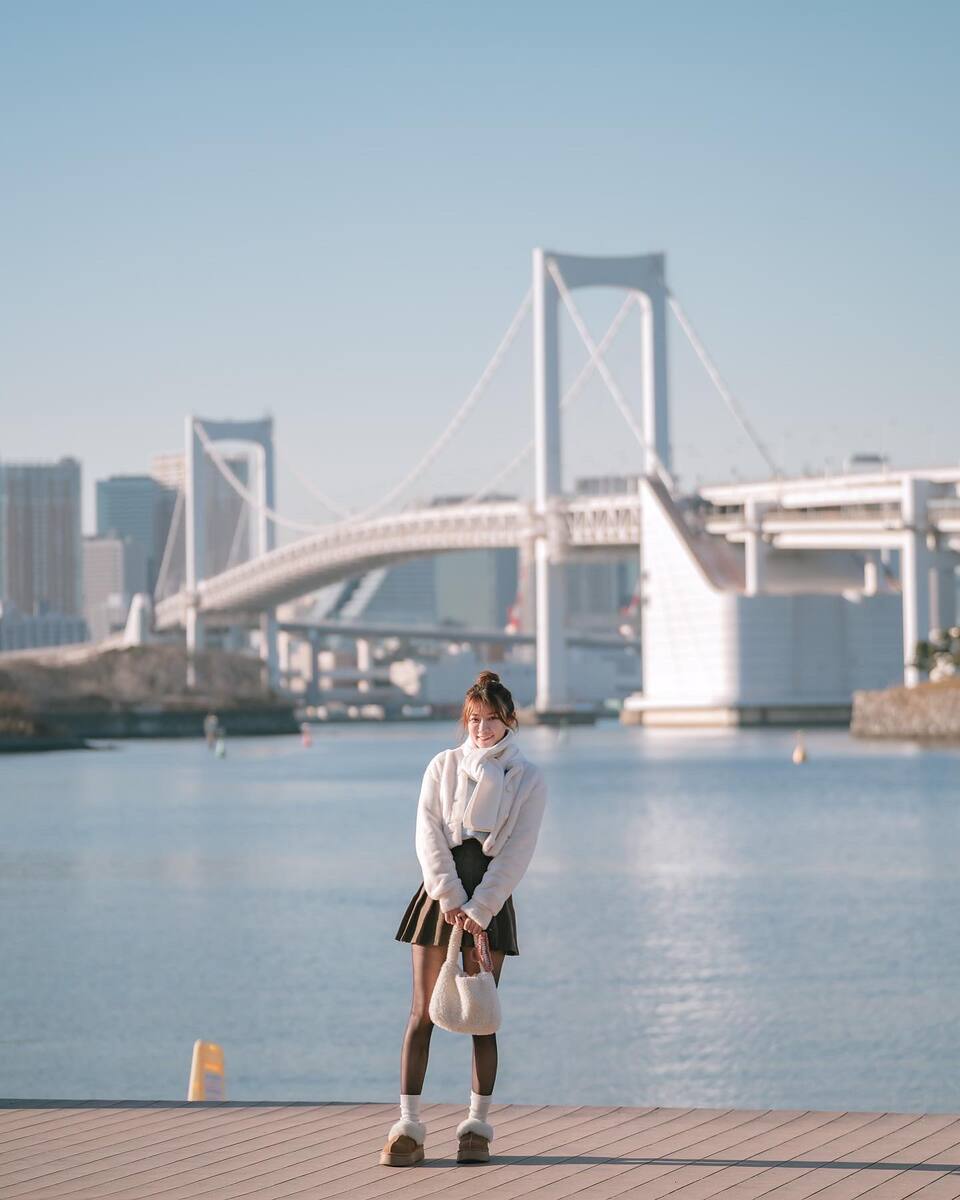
column 489, row 766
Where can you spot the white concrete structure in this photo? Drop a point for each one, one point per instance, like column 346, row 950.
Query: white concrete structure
column 774, row 602
column 728, row 641
column 643, row 275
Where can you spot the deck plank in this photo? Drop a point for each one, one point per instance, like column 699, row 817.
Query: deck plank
column 687, row 1173
column 342, row 1173
column 185, row 1169
column 273, row 1151
column 219, row 1136
column 722, row 1180
column 525, row 1168
column 834, row 1162
column 75, row 1146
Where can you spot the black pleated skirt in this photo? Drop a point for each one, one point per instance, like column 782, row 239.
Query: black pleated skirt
column 423, row 923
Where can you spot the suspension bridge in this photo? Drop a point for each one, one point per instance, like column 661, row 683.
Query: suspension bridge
column 778, row 595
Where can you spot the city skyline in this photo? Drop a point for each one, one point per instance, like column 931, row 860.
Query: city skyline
column 229, row 214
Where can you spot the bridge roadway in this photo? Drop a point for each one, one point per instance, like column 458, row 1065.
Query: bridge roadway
column 346, row 550
column 854, row 512
column 844, row 512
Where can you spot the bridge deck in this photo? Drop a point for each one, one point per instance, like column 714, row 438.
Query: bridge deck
column 79, row 1150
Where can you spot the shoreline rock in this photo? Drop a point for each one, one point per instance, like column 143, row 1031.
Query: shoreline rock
column 134, row 692
column 929, row 712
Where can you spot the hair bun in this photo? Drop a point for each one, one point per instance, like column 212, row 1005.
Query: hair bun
column 487, row 677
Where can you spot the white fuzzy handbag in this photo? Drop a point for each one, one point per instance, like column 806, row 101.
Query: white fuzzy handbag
column 465, row 1003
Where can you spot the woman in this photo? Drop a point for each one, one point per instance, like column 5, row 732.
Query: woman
column 477, row 823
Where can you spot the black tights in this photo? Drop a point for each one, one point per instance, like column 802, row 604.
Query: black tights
column 427, row 961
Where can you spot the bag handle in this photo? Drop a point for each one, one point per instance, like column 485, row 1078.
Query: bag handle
column 453, row 946
column 480, row 939
column 483, row 949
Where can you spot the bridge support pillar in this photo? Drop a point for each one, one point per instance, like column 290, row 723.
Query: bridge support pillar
column 195, row 641
column 551, row 648
column 312, row 692
column 944, row 597
column 915, row 574
column 285, row 646
column 526, row 616
column 871, row 573
column 364, row 662
column 268, row 648
column 755, row 549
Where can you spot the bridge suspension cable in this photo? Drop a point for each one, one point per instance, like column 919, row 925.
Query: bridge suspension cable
column 595, row 362
column 605, row 374
column 456, row 421
column 245, row 494
column 242, row 526
column 459, row 416
column 572, row 393
column 176, row 520
column 728, row 398
column 330, row 505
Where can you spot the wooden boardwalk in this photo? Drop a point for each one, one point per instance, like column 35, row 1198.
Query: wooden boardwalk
column 112, row 1151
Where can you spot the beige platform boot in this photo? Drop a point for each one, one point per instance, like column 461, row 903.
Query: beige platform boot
column 475, row 1138
column 404, row 1145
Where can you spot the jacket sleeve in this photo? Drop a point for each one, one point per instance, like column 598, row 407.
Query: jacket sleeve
column 507, row 868
column 440, row 878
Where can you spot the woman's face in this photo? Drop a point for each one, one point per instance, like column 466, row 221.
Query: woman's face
column 484, row 726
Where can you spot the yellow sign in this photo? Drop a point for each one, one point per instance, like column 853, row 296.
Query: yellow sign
column 208, row 1078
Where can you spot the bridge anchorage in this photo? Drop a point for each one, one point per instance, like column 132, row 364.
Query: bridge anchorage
column 765, row 601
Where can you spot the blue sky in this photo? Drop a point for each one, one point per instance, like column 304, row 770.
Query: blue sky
column 326, row 212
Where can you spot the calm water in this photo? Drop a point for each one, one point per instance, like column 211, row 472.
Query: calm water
column 703, row 924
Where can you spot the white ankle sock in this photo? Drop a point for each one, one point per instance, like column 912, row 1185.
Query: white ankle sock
column 409, row 1108
column 479, row 1106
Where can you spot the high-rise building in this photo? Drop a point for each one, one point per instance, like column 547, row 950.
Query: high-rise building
column 476, row 588
column 41, row 560
column 21, row 632
column 113, row 571
column 136, row 508
column 168, row 469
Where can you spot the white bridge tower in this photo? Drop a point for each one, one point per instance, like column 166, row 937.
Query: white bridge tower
column 201, row 434
column 644, row 275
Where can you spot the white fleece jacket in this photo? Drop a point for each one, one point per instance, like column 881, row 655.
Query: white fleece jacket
column 510, row 842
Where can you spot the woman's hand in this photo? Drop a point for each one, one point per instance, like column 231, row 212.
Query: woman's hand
column 456, row 916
